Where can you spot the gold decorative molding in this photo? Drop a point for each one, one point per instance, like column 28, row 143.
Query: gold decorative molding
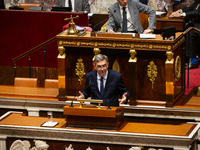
column 116, row 66
column 152, row 72
column 133, row 57
column 177, row 68
column 115, row 45
column 179, row 42
column 80, row 71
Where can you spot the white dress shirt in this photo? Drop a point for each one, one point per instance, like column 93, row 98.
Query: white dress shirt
column 99, row 80
column 130, row 26
column 67, row 4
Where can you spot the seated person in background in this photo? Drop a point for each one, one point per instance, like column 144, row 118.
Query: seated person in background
column 192, row 12
column 104, row 84
column 77, row 5
column 131, row 22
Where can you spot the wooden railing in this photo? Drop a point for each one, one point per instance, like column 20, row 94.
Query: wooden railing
column 29, row 53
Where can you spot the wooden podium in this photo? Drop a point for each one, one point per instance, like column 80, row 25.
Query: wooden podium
column 94, row 118
column 152, row 69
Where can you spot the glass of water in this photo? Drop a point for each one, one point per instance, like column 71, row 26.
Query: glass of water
column 50, row 116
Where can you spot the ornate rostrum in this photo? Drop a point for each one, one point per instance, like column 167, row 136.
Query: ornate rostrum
column 80, row 71
column 177, row 68
column 152, row 72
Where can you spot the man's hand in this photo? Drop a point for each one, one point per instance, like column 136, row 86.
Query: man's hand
column 123, row 98
column 175, row 14
column 81, row 96
column 148, row 31
column 111, row 31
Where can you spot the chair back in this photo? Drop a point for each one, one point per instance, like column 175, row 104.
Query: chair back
column 51, row 83
column 25, row 82
column 144, row 19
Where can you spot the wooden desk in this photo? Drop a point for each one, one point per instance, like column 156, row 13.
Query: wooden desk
column 28, row 92
column 165, row 22
column 174, row 137
column 160, row 22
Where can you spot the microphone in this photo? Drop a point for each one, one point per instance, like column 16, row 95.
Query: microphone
column 72, row 105
column 98, row 24
column 107, row 100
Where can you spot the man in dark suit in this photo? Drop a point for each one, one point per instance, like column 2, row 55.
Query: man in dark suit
column 79, row 5
column 131, row 10
column 104, row 84
column 191, row 12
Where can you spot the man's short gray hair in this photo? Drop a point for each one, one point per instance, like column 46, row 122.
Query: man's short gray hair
column 100, row 57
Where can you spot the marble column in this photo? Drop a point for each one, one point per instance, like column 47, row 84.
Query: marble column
column 3, row 142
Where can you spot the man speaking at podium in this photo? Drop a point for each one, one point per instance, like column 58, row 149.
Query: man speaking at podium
column 104, row 84
column 124, row 16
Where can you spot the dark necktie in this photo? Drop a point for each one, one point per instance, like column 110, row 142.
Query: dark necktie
column 70, row 3
column 101, row 87
column 124, row 23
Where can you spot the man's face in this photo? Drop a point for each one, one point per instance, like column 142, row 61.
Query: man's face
column 102, row 67
column 123, row 3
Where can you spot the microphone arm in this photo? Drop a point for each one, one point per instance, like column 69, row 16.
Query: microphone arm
column 98, row 24
column 72, row 102
column 107, row 100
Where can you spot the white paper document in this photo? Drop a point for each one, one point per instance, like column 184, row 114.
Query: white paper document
column 49, row 124
column 159, row 13
column 147, row 36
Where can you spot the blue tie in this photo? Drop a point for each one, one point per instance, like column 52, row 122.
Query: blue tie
column 101, row 87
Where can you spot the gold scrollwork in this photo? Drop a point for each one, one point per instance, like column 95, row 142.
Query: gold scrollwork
column 177, row 68
column 152, row 72
column 150, row 46
column 78, row 43
column 80, row 71
column 169, row 47
column 60, row 42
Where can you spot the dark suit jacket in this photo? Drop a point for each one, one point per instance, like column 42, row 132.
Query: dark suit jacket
column 191, row 12
column 2, row 6
column 114, row 86
column 80, row 5
column 135, row 7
